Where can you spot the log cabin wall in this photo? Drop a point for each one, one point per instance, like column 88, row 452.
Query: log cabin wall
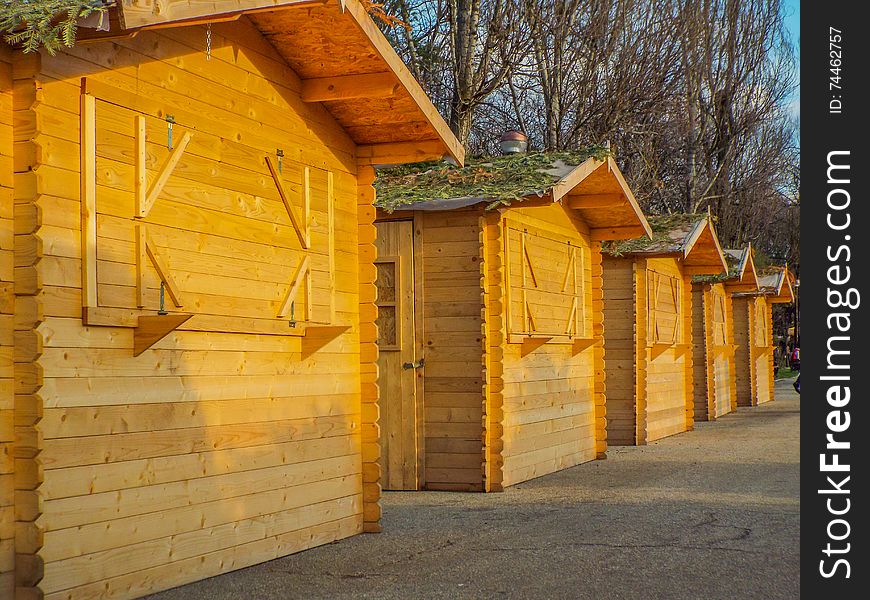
column 552, row 396
column 222, row 446
column 742, row 371
column 668, row 389
column 7, row 307
column 620, row 350
column 717, row 346
column 702, row 369
column 722, row 350
column 761, row 349
column 453, row 373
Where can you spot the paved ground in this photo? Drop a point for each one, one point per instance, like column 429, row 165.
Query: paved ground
column 713, row 513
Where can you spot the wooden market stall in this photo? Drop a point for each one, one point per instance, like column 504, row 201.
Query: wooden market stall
column 194, row 344
column 648, row 328
column 753, row 313
column 742, row 278
column 715, row 343
column 490, row 316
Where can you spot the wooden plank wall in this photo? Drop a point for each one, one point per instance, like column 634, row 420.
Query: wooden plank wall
column 619, row 348
column 7, row 306
column 702, row 391
column 549, row 395
column 761, row 354
column 211, row 451
column 453, row 346
column 725, row 393
column 493, row 274
column 368, row 337
column 742, row 370
column 666, row 389
column 716, row 392
column 30, row 189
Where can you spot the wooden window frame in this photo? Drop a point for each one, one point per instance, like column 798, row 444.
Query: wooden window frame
column 577, row 262
column 653, row 338
column 396, row 261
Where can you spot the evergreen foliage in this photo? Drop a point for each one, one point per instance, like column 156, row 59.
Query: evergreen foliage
column 49, row 24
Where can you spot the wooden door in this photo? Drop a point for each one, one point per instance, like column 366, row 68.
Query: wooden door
column 398, row 363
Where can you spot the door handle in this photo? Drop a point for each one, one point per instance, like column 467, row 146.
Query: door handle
column 414, row 365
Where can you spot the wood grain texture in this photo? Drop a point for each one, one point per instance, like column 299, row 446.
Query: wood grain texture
column 648, row 330
column 452, row 342
column 215, row 448
column 552, row 411
column 7, row 333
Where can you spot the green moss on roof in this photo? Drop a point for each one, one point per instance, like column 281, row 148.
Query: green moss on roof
column 733, row 257
column 497, row 180
column 669, row 233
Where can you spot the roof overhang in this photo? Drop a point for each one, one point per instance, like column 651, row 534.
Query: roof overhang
column 746, row 279
column 597, row 190
column 342, row 58
column 785, row 290
column 776, row 286
column 701, row 252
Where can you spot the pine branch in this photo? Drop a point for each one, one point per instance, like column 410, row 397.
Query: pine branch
column 50, row 24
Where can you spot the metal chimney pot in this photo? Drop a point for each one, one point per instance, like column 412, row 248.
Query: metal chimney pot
column 513, row 142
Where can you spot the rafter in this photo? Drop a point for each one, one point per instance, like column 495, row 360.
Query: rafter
column 348, row 87
column 597, row 201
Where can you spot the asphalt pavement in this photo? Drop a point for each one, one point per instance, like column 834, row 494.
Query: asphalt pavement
column 712, row 513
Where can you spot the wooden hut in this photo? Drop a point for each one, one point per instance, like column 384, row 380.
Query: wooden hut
column 753, row 321
column 490, row 317
column 742, row 278
column 649, row 327
column 714, row 345
column 191, row 271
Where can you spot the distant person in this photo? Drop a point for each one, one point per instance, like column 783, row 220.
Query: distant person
column 796, row 359
column 776, row 354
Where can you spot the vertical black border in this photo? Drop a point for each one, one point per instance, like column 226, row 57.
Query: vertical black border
column 821, row 133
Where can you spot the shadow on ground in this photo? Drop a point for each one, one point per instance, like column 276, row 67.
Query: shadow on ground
column 713, row 513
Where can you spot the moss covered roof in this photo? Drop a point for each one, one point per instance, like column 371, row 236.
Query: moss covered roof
column 770, row 279
column 669, row 236
column 497, row 180
column 734, row 258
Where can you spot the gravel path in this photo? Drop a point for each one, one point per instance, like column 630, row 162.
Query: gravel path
column 713, row 513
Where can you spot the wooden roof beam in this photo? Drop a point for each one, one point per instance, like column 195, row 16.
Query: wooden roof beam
column 144, row 13
column 714, row 269
column 347, row 87
column 596, row 201
column 599, row 234
column 398, row 153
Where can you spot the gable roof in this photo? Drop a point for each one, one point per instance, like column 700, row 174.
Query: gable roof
column 587, row 181
column 690, row 238
column 742, row 275
column 344, row 62
column 776, row 283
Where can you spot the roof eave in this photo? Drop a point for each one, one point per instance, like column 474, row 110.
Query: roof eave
column 143, row 14
column 634, row 223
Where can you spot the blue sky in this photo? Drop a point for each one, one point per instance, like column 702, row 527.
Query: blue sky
column 793, row 23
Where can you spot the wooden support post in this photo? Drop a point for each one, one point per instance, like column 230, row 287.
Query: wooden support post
column 141, row 159
column 141, row 258
column 306, row 205
column 330, row 221
column 88, row 133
